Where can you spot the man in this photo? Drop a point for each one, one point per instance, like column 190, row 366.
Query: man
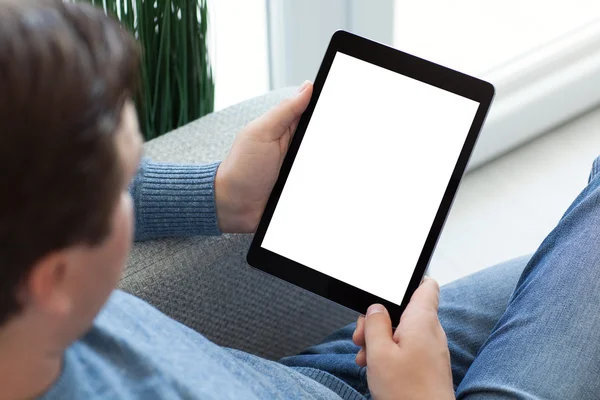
column 70, row 148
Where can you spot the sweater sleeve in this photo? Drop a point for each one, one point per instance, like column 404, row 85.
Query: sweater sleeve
column 174, row 200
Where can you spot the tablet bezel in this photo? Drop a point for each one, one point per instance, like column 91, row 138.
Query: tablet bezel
column 413, row 67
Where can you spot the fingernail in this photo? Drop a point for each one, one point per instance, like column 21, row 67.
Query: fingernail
column 303, row 86
column 375, row 309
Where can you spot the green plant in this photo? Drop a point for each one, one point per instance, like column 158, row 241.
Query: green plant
column 177, row 84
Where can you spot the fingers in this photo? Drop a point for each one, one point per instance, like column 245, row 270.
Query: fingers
column 361, row 358
column 359, row 332
column 358, row 337
column 374, row 332
column 378, row 329
column 272, row 125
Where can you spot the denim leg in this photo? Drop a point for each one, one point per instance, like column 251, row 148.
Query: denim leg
column 547, row 342
column 335, row 354
column 469, row 309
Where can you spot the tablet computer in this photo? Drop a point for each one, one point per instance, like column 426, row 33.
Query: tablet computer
column 370, row 175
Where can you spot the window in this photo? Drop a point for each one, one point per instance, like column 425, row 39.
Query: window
column 480, row 37
column 543, row 57
column 240, row 59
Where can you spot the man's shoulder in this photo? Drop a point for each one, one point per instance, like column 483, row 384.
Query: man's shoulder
column 123, row 309
column 127, row 318
column 122, row 302
column 135, row 351
column 131, row 349
column 119, row 298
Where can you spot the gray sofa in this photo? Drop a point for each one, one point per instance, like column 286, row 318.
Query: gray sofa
column 205, row 283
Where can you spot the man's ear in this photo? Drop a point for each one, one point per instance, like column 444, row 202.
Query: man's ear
column 46, row 286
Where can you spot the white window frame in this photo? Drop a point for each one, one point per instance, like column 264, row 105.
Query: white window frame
column 299, row 31
column 534, row 93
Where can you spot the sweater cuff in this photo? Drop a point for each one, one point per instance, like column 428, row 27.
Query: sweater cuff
column 175, row 200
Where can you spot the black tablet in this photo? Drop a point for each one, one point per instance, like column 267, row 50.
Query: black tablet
column 370, row 175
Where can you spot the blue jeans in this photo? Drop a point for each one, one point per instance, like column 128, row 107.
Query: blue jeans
column 527, row 329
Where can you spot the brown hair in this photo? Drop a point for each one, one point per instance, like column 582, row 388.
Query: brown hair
column 65, row 72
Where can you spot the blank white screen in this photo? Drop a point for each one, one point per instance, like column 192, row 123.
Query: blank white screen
column 369, row 176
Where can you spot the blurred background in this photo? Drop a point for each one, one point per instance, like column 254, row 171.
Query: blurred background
column 543, row 131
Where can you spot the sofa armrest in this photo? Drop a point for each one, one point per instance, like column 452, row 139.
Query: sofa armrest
column 205, row 282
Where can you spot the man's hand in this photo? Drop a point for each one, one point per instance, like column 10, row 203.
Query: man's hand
column 414, row 361
column 246, row 177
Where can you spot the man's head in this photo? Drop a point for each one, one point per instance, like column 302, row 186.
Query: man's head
column 69, row 145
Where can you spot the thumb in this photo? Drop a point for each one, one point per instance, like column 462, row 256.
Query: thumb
column 421, row 313
column 272, row 125
column 378, row 328
column 427, row 296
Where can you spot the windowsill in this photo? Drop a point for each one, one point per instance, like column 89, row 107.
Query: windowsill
column 541, row 91
column 507, row 207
